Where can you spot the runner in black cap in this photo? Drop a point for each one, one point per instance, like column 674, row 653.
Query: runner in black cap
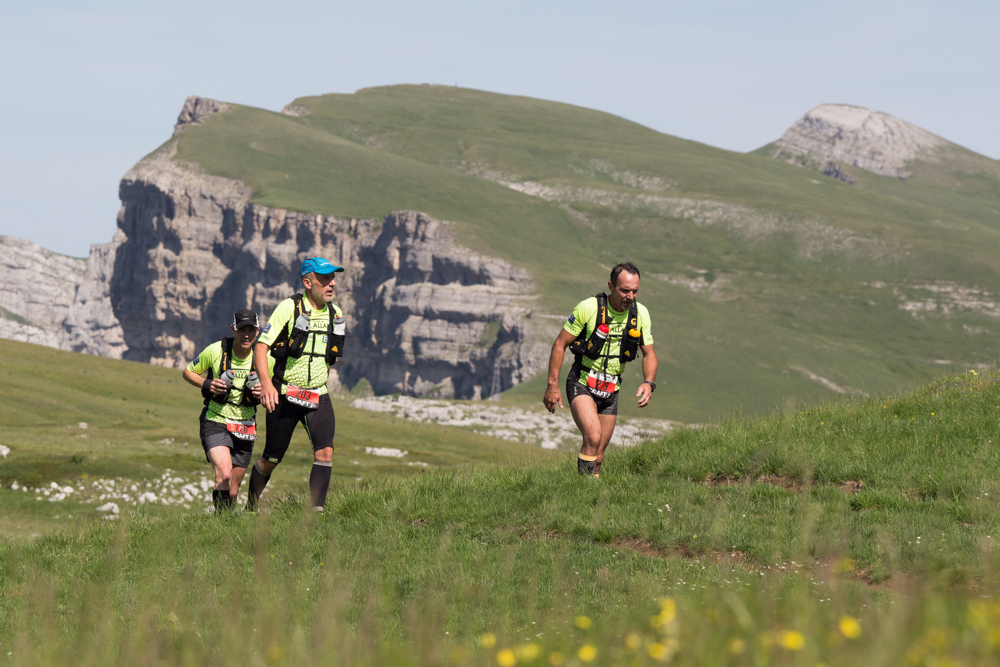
column 232, row 392
column 302, row 339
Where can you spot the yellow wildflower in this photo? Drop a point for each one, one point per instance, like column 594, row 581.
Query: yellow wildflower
column 791, row 640
column 488, row 640
column 506, row 658
column 583, row 622
column 587, row 653
column 633, row 640
column 556, row 658
column 528, row 651
column 657, row 651
column 849, row 627
column 736, row 646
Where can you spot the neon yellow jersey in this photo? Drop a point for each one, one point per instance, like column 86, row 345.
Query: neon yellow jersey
column 310, row 370
column 211, row 358
column 584, row 317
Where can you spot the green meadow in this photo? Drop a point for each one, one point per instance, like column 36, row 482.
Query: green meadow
column 859, row 531
column 74, row 419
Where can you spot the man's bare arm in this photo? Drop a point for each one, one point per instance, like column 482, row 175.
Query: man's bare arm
column 649, row 366
column 268, row 393
column 217, row 386
column 553, row 396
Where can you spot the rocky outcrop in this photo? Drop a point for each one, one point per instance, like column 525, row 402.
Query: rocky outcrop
column 90, row 325
column 855, row 136
column 195, row 110
column 38, row 285
column 426, row 315
column 58, row 301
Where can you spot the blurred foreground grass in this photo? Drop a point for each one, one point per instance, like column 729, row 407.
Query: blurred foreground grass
column 858, row 532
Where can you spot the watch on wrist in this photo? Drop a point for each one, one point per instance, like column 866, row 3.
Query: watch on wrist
column 652, row 385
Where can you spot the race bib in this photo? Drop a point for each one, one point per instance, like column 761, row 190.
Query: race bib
column 307, row 398
column 602, row 385
column 244, row 430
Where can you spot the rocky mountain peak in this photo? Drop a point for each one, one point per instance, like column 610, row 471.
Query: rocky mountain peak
column 857, row 137
column 195, row 110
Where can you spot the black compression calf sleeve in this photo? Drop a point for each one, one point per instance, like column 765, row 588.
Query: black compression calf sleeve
column 319, row 483
column 258, row 480
column 221, row 500
column 585, row 467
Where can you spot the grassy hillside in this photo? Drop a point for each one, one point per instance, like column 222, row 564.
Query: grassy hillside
column 767, row 283
column 74, row 419
column 858, row 532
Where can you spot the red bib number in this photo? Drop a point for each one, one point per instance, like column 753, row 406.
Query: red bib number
column 307, row 398
column 244, row 430
column 602, row 385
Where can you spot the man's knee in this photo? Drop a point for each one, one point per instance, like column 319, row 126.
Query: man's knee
column 323, row 454
column 267, row 466
column 592, row 436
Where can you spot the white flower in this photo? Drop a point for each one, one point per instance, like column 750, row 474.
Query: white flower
column 386, row 451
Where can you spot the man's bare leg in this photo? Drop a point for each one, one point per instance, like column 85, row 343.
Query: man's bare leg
column 596, row 431
column 234, row 482
column 222, row 462
column 607, row 430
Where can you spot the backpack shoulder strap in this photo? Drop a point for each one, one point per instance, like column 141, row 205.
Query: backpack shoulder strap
column 602, row 310
column 227, row 354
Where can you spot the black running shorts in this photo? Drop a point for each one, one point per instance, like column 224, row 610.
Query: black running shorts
column 605, row 406
column 320, row 425
column 214, row 434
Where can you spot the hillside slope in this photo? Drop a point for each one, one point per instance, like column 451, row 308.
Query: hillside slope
column 766, row 282
column 764, row 536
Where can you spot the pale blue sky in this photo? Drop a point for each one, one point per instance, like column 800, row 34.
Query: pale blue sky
column 89, row 88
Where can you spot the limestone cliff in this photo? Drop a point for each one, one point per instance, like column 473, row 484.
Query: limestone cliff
column 856, row 137
column 426, row 315
column 58, row 301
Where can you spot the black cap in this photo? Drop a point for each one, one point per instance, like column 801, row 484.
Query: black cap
column 245, row 317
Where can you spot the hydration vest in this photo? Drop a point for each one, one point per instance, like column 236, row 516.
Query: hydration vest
column 293, row 345
column 592, row 347
column 245, row 399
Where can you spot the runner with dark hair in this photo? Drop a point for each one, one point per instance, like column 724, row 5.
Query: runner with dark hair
column 231, row 391
column 604, row 333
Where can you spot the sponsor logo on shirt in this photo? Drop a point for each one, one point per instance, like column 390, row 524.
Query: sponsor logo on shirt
column 572, row 318
column 196, row 360
column 267, row 327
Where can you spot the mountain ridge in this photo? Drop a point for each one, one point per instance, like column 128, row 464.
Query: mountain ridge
column 771, row 282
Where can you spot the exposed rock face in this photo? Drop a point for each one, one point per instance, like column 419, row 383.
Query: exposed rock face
column 38, row 284
column 58, row 301
column 90, row 325
column 426, row 315
column 195, row 109
column 855, row 136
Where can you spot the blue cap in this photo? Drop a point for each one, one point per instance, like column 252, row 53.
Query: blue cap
column 318, row 265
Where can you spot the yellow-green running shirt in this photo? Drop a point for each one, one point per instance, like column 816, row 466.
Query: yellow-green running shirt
column 211, row 358
column 310, row 370
column 584, row 317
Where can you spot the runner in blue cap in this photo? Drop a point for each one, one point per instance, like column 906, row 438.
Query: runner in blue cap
column 304, row 337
